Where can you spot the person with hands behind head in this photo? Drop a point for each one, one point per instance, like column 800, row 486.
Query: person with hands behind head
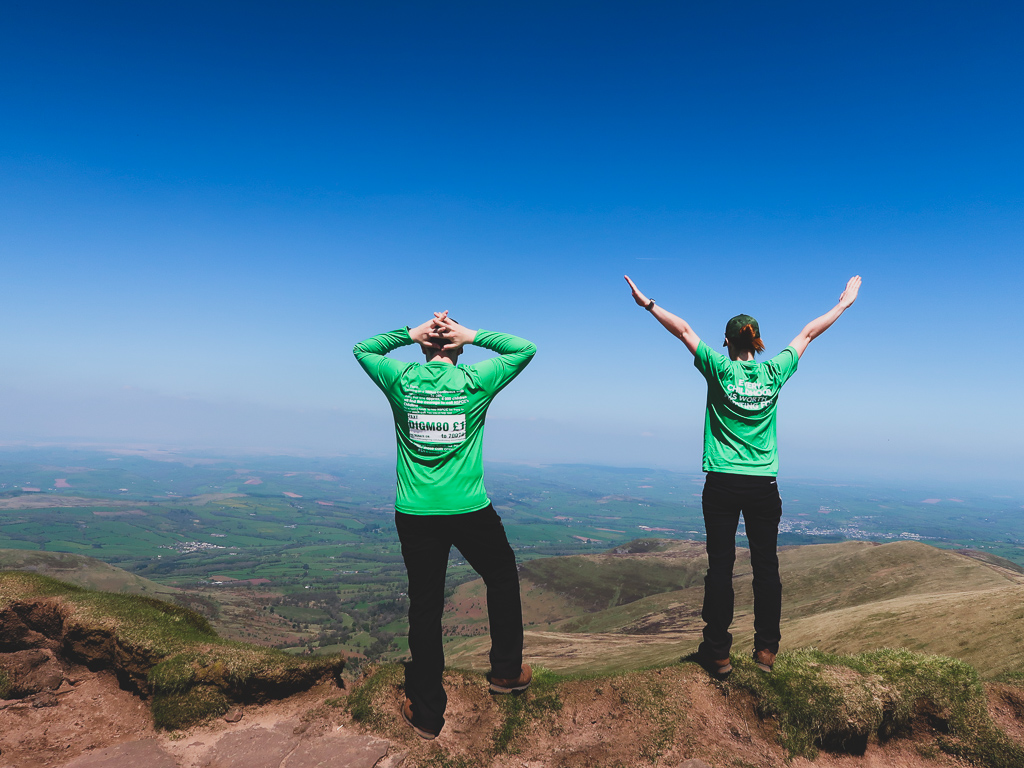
column 439, row 408
column 741, row 462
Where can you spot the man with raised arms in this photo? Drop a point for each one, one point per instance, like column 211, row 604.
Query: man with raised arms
column 439, row 409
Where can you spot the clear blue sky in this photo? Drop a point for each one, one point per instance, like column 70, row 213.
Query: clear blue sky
column 204, row 205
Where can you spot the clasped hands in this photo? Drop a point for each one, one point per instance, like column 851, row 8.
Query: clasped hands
column 441, row 332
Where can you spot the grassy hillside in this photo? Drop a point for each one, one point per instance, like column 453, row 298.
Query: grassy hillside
column 624, row 575
column 154, row 647
column 83, row 571
column 849, row 597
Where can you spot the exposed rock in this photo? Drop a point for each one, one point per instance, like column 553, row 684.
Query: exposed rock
column 29, row 672
column 130, row 754
column 267, row 748
column 233, row 715
column 18, row 625
column 44, row 699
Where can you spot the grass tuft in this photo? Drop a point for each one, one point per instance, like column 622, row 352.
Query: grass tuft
column 519, row 710
column 441, row 759
column 841, row 703
column 372, row 701
column 174, row 711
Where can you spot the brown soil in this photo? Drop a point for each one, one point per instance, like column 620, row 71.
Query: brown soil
column 91, row 714
column 1006, row 706
column 620, row 722
column 656, row 717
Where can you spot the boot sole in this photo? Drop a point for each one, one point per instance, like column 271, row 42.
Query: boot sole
column 425, row 735
column 515, row 689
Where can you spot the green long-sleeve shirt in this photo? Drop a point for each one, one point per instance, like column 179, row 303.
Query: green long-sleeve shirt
column 439, row 412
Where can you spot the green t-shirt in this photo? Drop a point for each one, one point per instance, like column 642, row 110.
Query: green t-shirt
column 439, row 412
column 739, row 424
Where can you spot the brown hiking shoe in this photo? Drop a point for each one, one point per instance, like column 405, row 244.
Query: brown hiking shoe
column 423, row 733
column 720, row 668
column 717, row 668
column 764, row 659
column 513, row 684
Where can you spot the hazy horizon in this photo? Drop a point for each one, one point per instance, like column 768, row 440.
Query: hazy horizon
column 384, row 460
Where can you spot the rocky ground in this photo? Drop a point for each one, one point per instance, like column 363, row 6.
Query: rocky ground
column 87, row 721
column 90, row 722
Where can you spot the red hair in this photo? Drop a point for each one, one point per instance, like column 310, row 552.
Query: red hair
column 748, row 339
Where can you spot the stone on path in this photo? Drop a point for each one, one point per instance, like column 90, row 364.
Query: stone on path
column 268, row 748
column 130, row 754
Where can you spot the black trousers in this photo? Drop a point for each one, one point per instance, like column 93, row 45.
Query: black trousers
column 426, row 542
column 725, row 497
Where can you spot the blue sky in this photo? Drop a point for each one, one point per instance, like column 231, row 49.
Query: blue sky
column 203, row 206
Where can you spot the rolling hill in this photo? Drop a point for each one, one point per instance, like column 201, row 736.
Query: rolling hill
column 842, row 598
column 82, row 571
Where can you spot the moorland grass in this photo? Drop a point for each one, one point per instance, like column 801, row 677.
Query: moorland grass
column 599, row 582
column 840, row 703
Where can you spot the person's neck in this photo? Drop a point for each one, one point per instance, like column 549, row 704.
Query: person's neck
column 743, row 356
column 443, row 357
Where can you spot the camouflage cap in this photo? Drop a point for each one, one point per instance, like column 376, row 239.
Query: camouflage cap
column 736, row 324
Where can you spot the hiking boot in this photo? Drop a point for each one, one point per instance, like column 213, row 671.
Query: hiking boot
column 513, row 684
column 423, row 733
column 717, row 668
column 764, row 659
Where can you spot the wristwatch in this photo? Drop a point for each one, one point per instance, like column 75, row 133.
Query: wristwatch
column 650, row 305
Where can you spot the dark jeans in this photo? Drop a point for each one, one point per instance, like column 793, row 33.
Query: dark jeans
column 725, row 497
column 426, row 543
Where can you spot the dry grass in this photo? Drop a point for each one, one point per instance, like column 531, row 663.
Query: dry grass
column 842, row 598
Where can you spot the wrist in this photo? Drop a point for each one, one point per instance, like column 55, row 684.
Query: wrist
column 649, row 306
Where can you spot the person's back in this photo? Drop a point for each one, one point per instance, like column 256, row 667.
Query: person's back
column 439, row 409
column 739, row 421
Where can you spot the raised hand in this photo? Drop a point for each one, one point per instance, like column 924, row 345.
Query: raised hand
column 455, row 336
column 430, row 332
column 638, row 297
column 849, row 295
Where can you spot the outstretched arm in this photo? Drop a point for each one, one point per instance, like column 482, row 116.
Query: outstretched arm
column 673, row 324
column 819, row 325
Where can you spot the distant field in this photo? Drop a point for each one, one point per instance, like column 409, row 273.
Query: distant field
column 325, row 527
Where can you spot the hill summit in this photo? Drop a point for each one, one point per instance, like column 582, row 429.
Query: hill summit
column 100, row 680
